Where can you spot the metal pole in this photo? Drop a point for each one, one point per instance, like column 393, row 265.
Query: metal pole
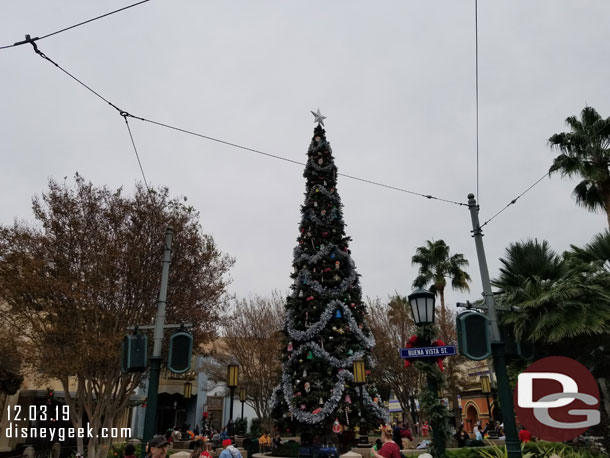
column 488, row 407
column 513, row 445
column 155, row 360
column 438, row 433
column 242, row 410
column 232, row 388
column 364, row 438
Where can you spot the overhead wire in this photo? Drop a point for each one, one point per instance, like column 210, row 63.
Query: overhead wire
column 135, row 149
column 476, row 54
column 28, row 39
column 514, row 201
column 125, row 114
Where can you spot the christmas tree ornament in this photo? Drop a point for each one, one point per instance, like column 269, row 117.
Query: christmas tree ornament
column 315, row 203
column 307, row 387
column 348, row 399
column 304, row 373
column 310, row 298
column 332, row 255
column 337, row 429
column 337, row 277
column 338, row 314
column 320, row 161
column 289, row 348
column 309, row 355
column 317, row 411
column 321, row 402
column 317, row 117
column 303, row 407
column 337, row 264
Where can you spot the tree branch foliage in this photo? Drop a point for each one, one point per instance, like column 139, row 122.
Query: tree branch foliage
column 88, row 268
column 252, row 337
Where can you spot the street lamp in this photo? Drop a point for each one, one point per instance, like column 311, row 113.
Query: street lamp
column 422, row 306
column 486, row 389
column 242, row 399
column 232, row 382
column 360, row 380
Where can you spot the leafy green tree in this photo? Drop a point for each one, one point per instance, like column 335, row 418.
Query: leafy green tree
column 585, row 153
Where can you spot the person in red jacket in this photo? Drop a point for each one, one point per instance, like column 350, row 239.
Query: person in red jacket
column 524, row 435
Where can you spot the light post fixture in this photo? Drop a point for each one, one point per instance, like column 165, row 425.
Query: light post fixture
column 232, row 382
column 486, row 390
column 242, row 399
column 360, row 380
column 422, row 306
column 188, row 390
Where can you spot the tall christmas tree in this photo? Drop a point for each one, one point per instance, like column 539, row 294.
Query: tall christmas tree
column 325, row 326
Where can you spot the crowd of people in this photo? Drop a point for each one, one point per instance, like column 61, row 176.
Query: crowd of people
column 393, row 439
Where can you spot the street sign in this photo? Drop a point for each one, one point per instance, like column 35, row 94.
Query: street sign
column 427, row 352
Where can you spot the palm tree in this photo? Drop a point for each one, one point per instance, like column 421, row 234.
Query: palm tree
column 527, row 260
column 554, row 298
column 435, row 266
column 585, row 152
column 561, row 302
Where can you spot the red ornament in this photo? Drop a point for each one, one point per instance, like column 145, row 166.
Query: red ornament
column 310, row 298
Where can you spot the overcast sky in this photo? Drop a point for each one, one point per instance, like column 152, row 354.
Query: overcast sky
column 396, row 80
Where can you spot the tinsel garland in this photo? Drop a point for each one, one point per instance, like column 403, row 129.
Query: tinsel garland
column 323, row 252
column 324, row 220
column 319, row 189
column 304, row 277
column 321, row 353
column 330, row 405
column 325, row 317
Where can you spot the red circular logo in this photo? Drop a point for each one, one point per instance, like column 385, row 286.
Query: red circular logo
column 557, row 399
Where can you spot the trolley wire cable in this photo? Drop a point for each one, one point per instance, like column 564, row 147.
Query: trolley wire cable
column 126, row 114
column 29, row 39
column 476, row 58
column 514, row 201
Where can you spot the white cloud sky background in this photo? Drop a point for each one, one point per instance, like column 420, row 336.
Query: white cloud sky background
column 396, row 80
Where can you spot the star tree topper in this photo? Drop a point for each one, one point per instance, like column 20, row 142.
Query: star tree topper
column 318, row 117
